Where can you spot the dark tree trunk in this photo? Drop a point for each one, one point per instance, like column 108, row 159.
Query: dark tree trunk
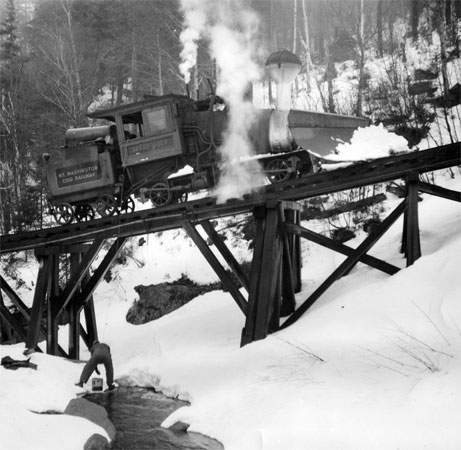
column 379, row 24
column 414, row 18
column 330, row 76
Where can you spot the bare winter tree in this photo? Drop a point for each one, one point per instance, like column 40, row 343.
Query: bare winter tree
column 295, row 26
column 155, row 29
column 305, row 41
column 15, row 202
column 414, row 18
column 70, row 64
column 361, row 60
column 379, row 27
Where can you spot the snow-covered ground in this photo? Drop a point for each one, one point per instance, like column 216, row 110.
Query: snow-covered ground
column 374, row 364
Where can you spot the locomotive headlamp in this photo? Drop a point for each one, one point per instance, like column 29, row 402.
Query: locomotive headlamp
column 283, row 66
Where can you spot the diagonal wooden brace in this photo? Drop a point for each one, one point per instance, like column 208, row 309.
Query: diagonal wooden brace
column 79, row 274
column 226, row 253
column 340, row 248
column 349, row 263
column 226, row 280
column 12, row 321
column 439, row 191
column 14, row 298
column 89, row 287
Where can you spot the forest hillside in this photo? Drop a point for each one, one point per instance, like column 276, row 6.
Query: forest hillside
column 394, row 61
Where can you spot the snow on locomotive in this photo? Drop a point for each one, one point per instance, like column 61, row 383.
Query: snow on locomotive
column 147, row 143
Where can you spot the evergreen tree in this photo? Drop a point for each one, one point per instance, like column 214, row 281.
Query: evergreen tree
column 9, row 51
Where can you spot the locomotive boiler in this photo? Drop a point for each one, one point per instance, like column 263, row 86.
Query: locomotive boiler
column 147, row 146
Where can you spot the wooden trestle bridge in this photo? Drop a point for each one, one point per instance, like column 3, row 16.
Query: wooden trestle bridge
column 276, row 265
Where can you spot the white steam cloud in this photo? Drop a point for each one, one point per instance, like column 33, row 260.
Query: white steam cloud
column 195, row 22
column 231, row 29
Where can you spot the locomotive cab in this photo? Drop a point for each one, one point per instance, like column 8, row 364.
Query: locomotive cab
column 153, row 135
column 148, row 130
column 151, row 143
column 167, row 145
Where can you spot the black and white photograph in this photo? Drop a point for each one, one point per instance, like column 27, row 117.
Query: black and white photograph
column 230, row 224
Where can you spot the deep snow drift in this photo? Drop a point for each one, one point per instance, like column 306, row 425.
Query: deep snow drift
column 374, row 364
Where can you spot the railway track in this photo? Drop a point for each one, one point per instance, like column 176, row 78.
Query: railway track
column 159, row 219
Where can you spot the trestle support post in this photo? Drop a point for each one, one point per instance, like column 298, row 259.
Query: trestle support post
column 411, row 244
column 275, row 273
column 41, row 298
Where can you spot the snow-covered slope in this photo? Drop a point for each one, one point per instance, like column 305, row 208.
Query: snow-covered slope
column 375, row 364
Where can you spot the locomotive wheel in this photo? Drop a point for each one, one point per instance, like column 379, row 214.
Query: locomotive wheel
column 84, row 212
column 127, row 206
column 63, row 213
column 106, row 205
column 277, row 170
column 160, row 195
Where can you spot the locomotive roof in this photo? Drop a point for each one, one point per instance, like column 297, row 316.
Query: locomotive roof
column 128, row 109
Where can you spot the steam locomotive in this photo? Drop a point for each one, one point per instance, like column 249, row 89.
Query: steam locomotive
column 146, row 147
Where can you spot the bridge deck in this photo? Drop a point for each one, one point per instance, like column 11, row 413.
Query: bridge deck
column 169, row 217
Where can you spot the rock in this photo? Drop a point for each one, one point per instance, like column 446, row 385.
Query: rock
column 179, row 426
column 96, row 442
column 157, row 300
column 95, row 413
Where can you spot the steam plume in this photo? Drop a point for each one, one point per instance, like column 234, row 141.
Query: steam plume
column 194, row 21
column 231, row 29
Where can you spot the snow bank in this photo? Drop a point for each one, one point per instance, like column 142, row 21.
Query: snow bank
column 32, row 403
column 375, row 364
column 370, row 142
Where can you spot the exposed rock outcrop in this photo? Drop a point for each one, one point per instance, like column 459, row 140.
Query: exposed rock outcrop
column 95, row 413
column 157, row 300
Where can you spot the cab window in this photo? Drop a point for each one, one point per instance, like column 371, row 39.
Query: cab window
column 132, row 125
column 156, row 120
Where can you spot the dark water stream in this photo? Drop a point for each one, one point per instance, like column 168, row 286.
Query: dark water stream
column 137, row 414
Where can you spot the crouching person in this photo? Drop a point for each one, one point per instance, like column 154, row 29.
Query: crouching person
column 100, row 354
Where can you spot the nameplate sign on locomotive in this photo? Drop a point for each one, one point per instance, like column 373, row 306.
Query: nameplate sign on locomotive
column 150, row 146
column 78, row 174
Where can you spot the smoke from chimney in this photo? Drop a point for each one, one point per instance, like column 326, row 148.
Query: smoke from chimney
column 194, row 24
column 231, row 29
